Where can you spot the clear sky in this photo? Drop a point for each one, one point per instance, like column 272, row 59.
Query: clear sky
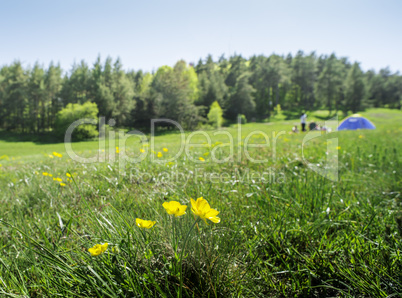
column 148, row 34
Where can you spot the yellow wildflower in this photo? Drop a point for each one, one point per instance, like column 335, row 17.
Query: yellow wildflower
column 45, row 174
column 174, row 208
column 201, row 158
column 142, row 150
column 159, row 154
column 50, row 175
column 58, row 179
column 117, row 150
column 206, row 153
column 51, row 156
column 147, row 224
column 338, row 148
column 165, row 149
column 98, row 249
column 57, row 154
column 361, row 137
column 68, row 175
column 62, row 184
column 202, row 209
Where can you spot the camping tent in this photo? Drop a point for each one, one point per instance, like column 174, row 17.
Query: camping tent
column 356, row 121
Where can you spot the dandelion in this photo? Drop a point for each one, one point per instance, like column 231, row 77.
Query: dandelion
column 50, row 175
column 62, row 184
column 165, row 149
column 59, row 179
column 361, row 137
column 54, row 178
column 201, row 158
column 175, row 208
column 142, row 150
column 68, row 175
column 98, row 249
column 51, row 156
column 159, row 154
column 117, row 150
column 202, row 209
column 147, row 224
column 338, row 148
column 45, row 174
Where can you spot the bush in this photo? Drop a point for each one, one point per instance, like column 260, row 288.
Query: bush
column 243, row 119
column 73, row 112
column 215, row 115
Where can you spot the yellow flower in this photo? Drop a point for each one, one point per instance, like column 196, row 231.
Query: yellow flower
column 142, row 150
column 50, row 175
column 145, row 145
column 45, row 174
column 68, row 175
column 206, row 153
column 338, row 148
column 58, row 179
column 361, row 137
column 202, row 209
column 117, row 150
column 165, row 149
column 147, row 224
column 62, row 184
column 51, row 156
column 174, row 208
column 159, row 154
column 98, row 249
column 170, row 163
column 201, row 158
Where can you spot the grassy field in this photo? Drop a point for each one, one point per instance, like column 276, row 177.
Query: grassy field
column 284, row 230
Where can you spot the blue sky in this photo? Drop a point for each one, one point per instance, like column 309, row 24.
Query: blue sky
column 148, row 35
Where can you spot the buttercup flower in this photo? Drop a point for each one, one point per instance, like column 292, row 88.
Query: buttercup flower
column 202, row 209
column 147, row 224
column 142, row 150
column 62, row 184
column 117, row 150
column 159, row 154
column 68, row 175
column 45, row 174
column 98, row 249
column 174, row 208
column 338, row 148
column 165, row 149
column 201, row 158
column 57, row 154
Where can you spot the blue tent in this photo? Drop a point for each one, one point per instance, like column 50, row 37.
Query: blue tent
column 356, row 121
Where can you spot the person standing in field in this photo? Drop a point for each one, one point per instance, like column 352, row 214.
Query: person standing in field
column 303, row 120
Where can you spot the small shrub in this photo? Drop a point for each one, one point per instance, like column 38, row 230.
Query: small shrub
column 73, row 112
column 243, row 119
column 215, row 115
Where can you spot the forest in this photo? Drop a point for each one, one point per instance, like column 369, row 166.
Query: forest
column 31, row 97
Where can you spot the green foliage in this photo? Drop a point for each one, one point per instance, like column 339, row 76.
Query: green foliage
column 73, row 112
column 31, row 97
column 215, row 115
column 243, row 119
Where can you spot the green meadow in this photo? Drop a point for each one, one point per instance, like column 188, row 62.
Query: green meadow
column 285, row 229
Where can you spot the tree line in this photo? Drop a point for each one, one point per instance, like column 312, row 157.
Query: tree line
column 31, row 97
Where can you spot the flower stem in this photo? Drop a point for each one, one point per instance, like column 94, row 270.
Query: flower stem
column 181, row 257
